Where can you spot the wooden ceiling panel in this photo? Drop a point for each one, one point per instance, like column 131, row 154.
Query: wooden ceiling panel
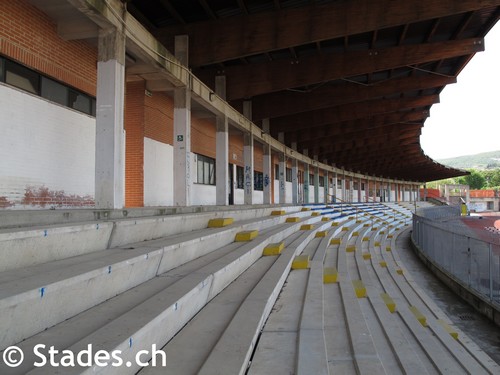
column 350, row 81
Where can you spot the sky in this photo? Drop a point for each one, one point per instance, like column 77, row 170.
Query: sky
column 467, row 119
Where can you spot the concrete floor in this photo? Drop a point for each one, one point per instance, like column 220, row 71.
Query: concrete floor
column 478, row 328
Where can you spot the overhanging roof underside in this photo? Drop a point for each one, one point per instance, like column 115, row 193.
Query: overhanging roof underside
column 350, row 83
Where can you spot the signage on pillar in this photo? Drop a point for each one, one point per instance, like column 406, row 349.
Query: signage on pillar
column 180, row 138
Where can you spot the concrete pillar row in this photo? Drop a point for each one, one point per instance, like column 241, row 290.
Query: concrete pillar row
column 295, row 177
column 282, row 178
column 266, row 168
column 222, row 149
column 326, row 179
column 182, row 132
column 344, row 198
column 110, row 136
column 248, row 156
column 306, row 177
column 316, row 183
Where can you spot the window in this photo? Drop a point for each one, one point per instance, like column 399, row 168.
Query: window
column 321, row 180
column 339, row 183
column 276, row 172
column 258, row 181
column 2, row 74
column 240, row 178
column 22, row 77
column 363, row 186
column 79, row 101
column 54, row 91
column 311, row 179
column 206, row 170
column 289, row 175
column 28, row 80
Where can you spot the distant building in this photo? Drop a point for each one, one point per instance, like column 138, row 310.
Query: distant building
column 484, row 200
column 477, row 200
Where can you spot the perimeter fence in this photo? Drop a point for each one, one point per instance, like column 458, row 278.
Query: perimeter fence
column 472, row 258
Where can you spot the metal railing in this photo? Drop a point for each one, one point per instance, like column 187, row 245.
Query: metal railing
column 471, row 257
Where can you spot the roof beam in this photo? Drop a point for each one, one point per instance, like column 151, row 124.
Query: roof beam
column 363, row 137
column 292, row 102
column 219, row 40
column 332, row 131
column 348, row 112
column 280, row 75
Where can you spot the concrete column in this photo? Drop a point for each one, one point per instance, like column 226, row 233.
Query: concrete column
column 281, row 137
column 110, row 139
column 248, row 159
column 266, row 127
column 282, row 178
column 334, row 186
column 326, row 179
column 360, row 183
column 389, row 190
column 266, row 168
column 316, row 185
column 295, row 177
column 295, row 181
column 306, row 183
column 182, row 132
column 351, row 190
column 222, row 149
column 247, row 109
column 267, row 163
column 248, row 155
column 343, row 187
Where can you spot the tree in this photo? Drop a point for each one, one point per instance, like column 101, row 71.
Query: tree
column 493, row 178
column 475, row 180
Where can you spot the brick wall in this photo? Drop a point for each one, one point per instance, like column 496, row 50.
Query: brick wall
column 28, row 36
column 134, row 124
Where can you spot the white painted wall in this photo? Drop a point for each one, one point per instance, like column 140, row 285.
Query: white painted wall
column 311, row 193
column 338, row 194
column 288, row 193
column 363, row 196
column 258, row 197
column 44, row 144
column 158, row 173
column 203, row 195
column 289, row 196
column 239, row 196
column 321, row 194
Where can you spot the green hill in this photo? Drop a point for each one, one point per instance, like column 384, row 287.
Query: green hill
column 485, row 160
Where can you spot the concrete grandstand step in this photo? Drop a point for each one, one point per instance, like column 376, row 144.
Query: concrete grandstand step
column 232, row 352
column 205, row 329
column 30, row 245
column 179, row 302
column 29, row 291
column 23, row 247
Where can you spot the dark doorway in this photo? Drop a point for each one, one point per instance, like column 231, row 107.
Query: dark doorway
column 231, row 185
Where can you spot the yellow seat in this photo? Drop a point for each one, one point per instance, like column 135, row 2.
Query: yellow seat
column 247, row 235
column 273, row 249
column 300, row 262
column 220, row 222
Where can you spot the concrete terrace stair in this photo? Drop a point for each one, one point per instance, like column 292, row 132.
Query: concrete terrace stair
column 217, row 306
column 41, row 294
